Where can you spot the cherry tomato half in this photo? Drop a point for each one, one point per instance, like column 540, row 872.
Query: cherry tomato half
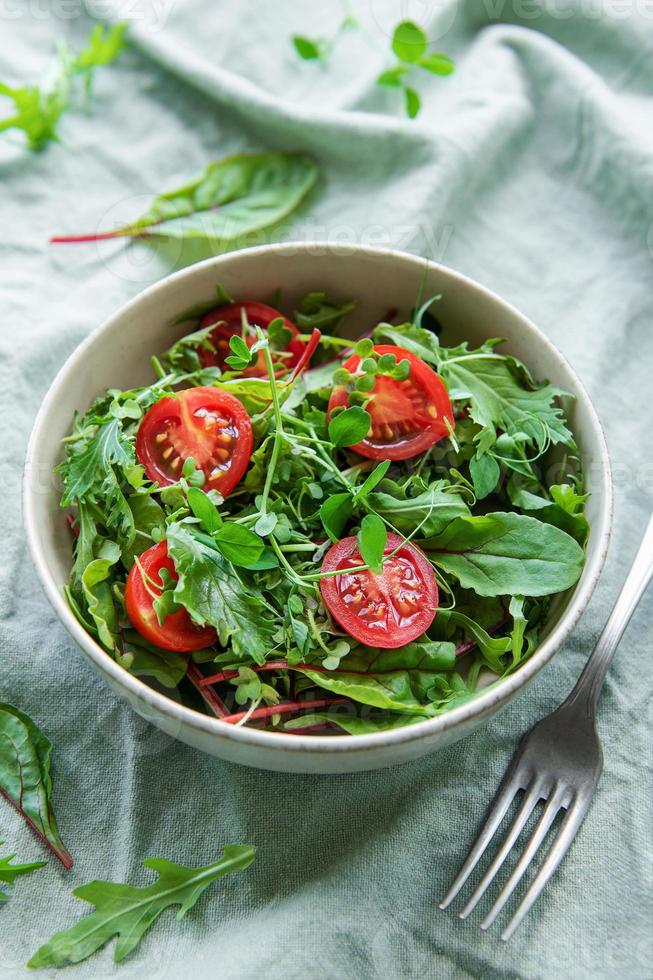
column 387, row 610
column 407, row 416
column 178, row 632
column 210, row 425
column 229, row 321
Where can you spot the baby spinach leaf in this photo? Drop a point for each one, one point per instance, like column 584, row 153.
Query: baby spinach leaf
column 516, row 610
column 433, row 510
column 212, row 593
column 507, row 554
column 25, row 780
column 231, row 199
column 128, row 912
column 372, row 539
column 491, row 647
column 381, row 721
column 564, row 510
column 349, row 427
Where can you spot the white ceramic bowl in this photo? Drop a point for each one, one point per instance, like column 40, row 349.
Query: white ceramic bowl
column 117, row 354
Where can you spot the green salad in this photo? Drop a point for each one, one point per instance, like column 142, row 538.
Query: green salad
column 304, row 533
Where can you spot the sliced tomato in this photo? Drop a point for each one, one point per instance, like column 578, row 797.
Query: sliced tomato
column 407, row 416
column 229, row 321
column 210, row 425
column 387, row 610
column 178, row 632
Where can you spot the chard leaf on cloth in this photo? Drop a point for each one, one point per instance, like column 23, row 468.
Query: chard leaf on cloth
column 433, row 510
column 211, row 591
column 507, row 554
column 25, row 757
column 128, row 912
column 9, row 872
column 491, row 383
column 233, row 197
column 406, row 679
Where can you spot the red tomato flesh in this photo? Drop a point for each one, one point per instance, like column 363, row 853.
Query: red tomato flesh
column 229, row 321
column 408, row 417
column 178, row 632
column 387, row 610
column 210, row 425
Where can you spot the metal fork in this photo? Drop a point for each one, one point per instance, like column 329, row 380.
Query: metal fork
column 559, row 761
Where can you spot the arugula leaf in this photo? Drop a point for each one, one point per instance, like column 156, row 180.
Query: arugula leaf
column 507, row 554
column 372, row 539
column 423, row 343
column 38, row 109
column 397, row 680
column 349, row 427
column 144, row 660
column 497, row 398
column 231, row 199
column 564, row 510
column 210, row 590
column 318, row 312
column 9, row 872
column 128, row 912
column 431, row 510
column 25, row 780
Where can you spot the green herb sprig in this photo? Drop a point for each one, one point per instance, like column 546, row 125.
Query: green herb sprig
column 410, row 45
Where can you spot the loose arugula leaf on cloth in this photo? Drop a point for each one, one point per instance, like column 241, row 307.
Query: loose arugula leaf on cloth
column 209, row 588
column 507, row 554
column 406, row 679
column 25, row 780
column 128, row 912
column 9, row 872
column 38, row 109
column 232, row 198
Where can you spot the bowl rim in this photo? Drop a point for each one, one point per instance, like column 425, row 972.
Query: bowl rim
column 484, row 703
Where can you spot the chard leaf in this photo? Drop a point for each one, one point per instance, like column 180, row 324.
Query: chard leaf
column 507, row 554
column 25, row 780
column 210, row 590
column 232, row 198
column 433, row 510
column 495, row 387
column 372, row 539
column 128, row 912
column 396, row 680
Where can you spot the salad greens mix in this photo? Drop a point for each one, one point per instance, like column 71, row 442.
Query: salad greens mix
column 308, row 533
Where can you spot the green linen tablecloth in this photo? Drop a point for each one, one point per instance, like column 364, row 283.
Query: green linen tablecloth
column 530, row 169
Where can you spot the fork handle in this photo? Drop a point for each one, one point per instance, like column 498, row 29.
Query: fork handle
column 587, row 689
